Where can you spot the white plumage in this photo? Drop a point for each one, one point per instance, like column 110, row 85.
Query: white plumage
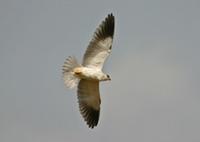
column 88, row 75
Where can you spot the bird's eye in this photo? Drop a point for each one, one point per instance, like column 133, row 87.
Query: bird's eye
column 108, row 76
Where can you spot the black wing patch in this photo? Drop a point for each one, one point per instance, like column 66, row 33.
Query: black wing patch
column 106, row 28
column 90, row 115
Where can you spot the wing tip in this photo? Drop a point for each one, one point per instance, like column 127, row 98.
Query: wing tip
column 110, row 20
column 90, row 115
column 93, row 121
column 111, row 16
column 106, row 28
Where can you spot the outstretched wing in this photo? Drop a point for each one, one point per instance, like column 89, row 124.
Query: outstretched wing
column 101, row 44
column 89, row 101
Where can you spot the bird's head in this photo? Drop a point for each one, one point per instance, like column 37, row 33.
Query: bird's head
column 107, row 77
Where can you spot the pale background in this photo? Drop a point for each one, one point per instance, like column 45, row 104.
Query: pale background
column 154, row 95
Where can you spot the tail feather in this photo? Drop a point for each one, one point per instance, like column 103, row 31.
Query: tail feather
column 70, row 80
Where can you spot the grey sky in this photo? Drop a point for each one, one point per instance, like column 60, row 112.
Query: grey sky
column 154, row 66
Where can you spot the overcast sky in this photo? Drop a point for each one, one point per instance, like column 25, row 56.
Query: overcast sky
column 154, row 95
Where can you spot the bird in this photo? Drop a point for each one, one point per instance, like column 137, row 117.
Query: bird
column 86, row 76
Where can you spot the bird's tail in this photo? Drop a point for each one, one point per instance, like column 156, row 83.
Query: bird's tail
column 70, row 80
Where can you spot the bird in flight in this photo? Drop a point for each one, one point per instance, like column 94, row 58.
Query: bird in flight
column 88, row 74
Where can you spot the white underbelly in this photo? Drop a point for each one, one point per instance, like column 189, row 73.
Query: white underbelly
column 89, row 73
